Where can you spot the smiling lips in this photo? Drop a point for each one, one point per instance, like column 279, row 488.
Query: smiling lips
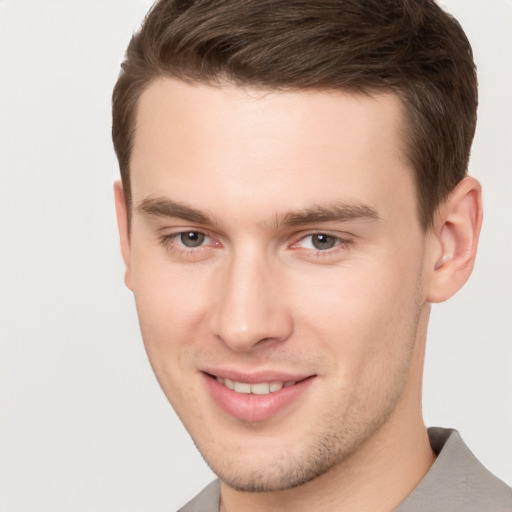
column 260, row 388
column 255, row 399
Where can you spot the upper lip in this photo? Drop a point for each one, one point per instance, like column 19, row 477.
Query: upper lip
column 258, row 376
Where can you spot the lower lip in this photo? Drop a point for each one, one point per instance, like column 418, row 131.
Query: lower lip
column 250, row 407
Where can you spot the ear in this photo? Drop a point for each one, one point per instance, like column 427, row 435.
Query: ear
column 124, row 230
column 456, row 230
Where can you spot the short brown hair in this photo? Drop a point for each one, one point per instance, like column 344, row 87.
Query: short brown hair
column 408, row 47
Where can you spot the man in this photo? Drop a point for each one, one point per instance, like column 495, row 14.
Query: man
column 294, row 197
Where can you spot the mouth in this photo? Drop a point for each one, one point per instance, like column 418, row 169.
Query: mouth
column 254, row 398
column 259, row 388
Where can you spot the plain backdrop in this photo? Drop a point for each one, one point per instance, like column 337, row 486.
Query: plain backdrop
column 83, row 423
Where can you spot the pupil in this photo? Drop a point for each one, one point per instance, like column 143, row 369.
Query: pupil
column 192, row 239
column 322, row 241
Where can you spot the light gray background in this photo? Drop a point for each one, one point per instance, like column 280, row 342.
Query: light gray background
column 84, row 426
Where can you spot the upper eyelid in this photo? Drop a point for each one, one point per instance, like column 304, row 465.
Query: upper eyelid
column 171, row 239
column 339, row 242
column 345, row 237
column 182, row 229
column 185, row 231
column 167, row 232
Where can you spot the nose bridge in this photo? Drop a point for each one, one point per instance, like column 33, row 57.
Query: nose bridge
column 249, row 309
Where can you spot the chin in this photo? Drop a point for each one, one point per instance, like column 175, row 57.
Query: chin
column 274, row 469
column 286, row 475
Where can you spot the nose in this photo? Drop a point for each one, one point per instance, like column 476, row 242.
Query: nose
column 251, row 309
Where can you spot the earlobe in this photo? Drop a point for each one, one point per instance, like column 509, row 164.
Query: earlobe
column 124, row 230
column 456, row 231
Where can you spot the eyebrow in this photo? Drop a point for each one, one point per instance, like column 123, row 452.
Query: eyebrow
column 163, row 207
column 332, row 212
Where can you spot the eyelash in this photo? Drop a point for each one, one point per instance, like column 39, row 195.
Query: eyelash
column 340, row 244
column 169, row 243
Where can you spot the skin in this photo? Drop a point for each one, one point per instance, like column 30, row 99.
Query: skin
column 256, row 295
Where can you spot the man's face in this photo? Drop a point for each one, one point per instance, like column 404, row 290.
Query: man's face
column 275, row 249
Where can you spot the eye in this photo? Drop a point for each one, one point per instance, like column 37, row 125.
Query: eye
column 191, row 238
column 190, row 245
column 320, row 242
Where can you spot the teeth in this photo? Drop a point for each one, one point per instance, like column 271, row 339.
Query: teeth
column 242, row 387
column 275, row 386
column 261, row 388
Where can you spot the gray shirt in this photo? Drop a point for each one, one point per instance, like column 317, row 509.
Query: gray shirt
column 456, row 482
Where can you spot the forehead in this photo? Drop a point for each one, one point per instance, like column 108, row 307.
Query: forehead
column 236, row 146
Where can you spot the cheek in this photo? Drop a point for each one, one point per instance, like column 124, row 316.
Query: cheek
column 170, row 307
column 366, row 315
column 171, row 303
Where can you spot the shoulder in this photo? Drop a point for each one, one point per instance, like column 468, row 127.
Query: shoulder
column 457, row 481
column 206, row 501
